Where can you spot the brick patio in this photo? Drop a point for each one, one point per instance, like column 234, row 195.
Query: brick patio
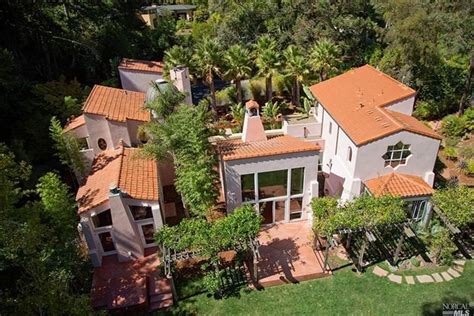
column 287, row 255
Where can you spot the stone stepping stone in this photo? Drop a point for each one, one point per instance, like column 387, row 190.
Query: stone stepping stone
column 409, row 279
column 424, row 278
column 380, row 272
column 395, row 278
column 454, row 273
column 460, row 262
column 446, row 276
column 458, row 268
column 437, row 277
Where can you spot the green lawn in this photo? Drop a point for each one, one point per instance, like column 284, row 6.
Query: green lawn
column 342, row 294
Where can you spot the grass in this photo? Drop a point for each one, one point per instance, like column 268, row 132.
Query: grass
column 345, row 293
column 414, row 270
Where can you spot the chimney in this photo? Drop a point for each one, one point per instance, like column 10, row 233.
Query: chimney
column 180, row 78
column 253, row 130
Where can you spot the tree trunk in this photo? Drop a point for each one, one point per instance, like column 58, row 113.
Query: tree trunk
column 269, row 87
column 213, row 94
column 297, row 92
column 238, row 87
column 467, row 87
column 321, row 76
column 293, row 92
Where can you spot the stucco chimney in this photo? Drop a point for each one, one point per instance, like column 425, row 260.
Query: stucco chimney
column 180, row 78
column 253, row 130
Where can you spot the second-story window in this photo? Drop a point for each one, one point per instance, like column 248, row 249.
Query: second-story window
column 141, row 212
column 330, row 127
column 349, row 153
column 103, row 219
column 397, row 154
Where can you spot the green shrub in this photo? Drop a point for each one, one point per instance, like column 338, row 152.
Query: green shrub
column 466, row 151
column 452, row 126
column 450, row 153
column 415, row 262
column 470, row 167
column 211, row 281
column 462, row 166
column 451, row 141
column 257, row 89
column 426, row 110
column 469, row 119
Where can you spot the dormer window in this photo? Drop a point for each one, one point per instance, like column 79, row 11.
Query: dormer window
column 397, row 155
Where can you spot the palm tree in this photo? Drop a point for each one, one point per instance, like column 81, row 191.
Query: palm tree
column 238, row 113
column 239, row 66
column 297, row 68
column 177, row 56
column 270, row 112
column 324, row 58
column 268, row 61
column 208, row 59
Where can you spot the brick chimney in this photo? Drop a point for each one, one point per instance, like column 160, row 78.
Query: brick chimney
column 253, row 130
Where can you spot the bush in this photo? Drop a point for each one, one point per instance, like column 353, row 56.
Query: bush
column 469, row 119
column 450, row 153
column 462, row 166
column 451, row 141
column 453, row 126
column 466, row 151
column 257, row 89
column 470, row 167
column 426, row 110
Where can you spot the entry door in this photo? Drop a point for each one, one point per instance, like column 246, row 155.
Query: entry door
column 273, row 211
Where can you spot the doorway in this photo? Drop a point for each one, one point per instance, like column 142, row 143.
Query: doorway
column 273, row 211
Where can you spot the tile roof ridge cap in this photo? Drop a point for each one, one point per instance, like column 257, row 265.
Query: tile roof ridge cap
column 388, row 114
column 121, row 153
column 410, row 177
column 89, row 96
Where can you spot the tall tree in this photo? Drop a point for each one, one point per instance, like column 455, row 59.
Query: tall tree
column 467, row 85
column 296, row 68
column 268, row 61
column 238, row 66
column 324, row 58
column 178, row 56
column 208, row 59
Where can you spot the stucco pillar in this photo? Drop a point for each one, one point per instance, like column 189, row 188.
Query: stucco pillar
column 429, row 178
column 85, row 230
column 126, row 236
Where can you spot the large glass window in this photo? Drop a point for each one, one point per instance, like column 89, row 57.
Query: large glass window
column 141, row 212
column 272, row 184
column 247, row 184
column 297, row 181
column 148, row 233
column 102, row 219
column 397, row 155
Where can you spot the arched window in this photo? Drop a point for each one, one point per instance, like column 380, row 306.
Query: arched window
column 330, row 127
column 102, row 144
column 349, row 153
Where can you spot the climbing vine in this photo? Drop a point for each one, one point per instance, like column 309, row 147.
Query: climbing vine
column 364, row 212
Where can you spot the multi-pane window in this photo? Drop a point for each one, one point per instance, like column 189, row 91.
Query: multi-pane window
column 297, row 178
column 141, row 212
column 247, row 184
column 397, row 155
column 272, row 184
column 102, row 219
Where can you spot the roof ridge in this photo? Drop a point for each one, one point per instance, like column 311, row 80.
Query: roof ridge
column 122, row 151
column 385, row 183
column 408, row 178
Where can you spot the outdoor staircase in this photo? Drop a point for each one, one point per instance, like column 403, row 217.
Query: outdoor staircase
column 160, row 293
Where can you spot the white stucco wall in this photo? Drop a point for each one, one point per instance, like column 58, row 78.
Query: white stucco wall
column 136, row 80
column 424, row 151
column 119, row 131
column 403, row 106
column 298, row 130
column 234, row 169
column 98, row 127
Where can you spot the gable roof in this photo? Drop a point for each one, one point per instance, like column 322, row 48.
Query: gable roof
column 398, row 184
column 141, row 65
column 117, row 104
column 356, row 101
column 135, row 175
column 74, row 123
column 234, row 149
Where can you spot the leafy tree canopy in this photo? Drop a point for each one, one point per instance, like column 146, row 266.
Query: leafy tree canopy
column 457, row 204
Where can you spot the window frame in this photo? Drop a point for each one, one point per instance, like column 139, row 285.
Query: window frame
column 105, row 227
column 392, row 151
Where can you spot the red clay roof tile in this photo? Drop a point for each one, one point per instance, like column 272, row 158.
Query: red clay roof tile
column 141, row 65
column 398, row 184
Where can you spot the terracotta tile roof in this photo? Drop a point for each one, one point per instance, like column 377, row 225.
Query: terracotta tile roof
column 398, row 184
column 141, row 65
column 356, row 100
column 135, row 175
column 234, row 149
column 117, row 104
column 74, row 123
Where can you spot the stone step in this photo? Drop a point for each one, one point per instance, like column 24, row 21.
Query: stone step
column 380, row 272
column 458, row 268
column 161, row 297
column 437, row 277
column 409, row 279
column 424, row 278
column 395, row 278
column 446, row 276
column 460, row 262
column 454, row 273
